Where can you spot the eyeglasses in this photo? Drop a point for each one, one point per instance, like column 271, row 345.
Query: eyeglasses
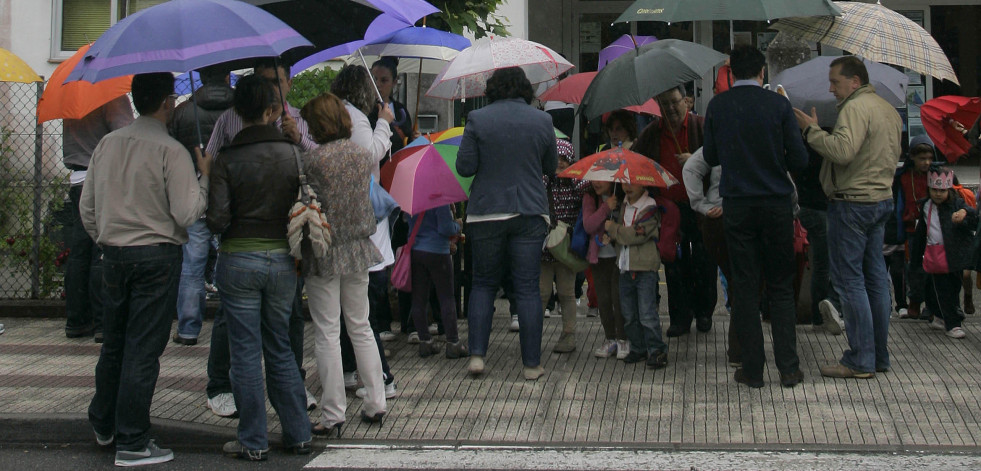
column 672, row 103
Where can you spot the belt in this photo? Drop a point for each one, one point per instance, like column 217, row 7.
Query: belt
column 846, row 196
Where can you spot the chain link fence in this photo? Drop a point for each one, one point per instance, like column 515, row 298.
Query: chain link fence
column 34, row 218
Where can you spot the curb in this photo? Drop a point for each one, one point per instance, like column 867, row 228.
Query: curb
column 55, row 309
column 35, row 429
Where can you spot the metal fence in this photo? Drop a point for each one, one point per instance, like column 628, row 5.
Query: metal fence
column 34, row 216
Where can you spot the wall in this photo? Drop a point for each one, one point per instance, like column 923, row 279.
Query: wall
column 30, row 33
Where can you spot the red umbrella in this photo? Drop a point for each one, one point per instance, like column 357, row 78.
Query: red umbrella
column 572, row 88
column 620, row 166
column 936, row 115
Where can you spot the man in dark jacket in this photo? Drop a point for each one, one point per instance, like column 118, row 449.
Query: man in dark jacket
column 212, row 99
column 757, row 207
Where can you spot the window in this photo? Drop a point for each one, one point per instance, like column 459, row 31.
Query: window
column 79, row 22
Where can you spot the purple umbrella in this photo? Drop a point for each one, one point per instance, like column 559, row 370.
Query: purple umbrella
column 383, row 25
column 621, row 45
column 183, row 35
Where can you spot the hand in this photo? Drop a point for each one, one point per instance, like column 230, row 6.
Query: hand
column 385, row 113
column 289, row 128
column 204, row 162
column 415, row 135
column 606, row 239
column 611, row 202
column 958, row 217
column 608, row 225
column 682, row 158
column 804, row 120
column 714, row 212
column 957, row 125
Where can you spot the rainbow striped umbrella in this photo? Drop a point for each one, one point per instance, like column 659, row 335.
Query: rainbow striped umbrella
column 423, row 174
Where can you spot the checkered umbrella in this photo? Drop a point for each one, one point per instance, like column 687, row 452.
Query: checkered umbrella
column 877, row 34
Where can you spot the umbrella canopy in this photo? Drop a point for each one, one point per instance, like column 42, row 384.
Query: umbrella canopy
column 571, row 90
column 74, row 100
column 425, row 177
column 183, row 35
column 936, row 114
column 621, row 45
column 673, row 11
column 14, row 69
column 620, row 165
column 807, row 86
column 418, row 42
column 381, row 26
column 875, row 33
column 466, row 75
column 640, row 74
column 450, row 137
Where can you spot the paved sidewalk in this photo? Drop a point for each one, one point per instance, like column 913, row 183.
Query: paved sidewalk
column 931, row 397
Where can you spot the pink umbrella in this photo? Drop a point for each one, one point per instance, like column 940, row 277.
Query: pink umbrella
column 572, row 88
column 427, row 178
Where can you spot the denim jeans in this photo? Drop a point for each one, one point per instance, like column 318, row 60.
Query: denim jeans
column 141, row 290
column 190, row 295
column 638, row 302
column 83, row 275
column 861, row 280
column 515, row 243
column 815, row 222
column 257, row 290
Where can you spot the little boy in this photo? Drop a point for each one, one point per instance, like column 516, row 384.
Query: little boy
column 634, row 229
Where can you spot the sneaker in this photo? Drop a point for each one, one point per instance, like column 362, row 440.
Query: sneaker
column 657, row 361
column 476, row 365
column 2, row 329
column 607, row 350
column 428, row 349
column 592, row 312
column 937, row 324
column 956, row 333
column 903, row 313
column 533, row 372
column 456, row 350
column 433, row 329
column 841, row 371
column 351, row 380
column 151, row 454
column 832, row 318
column 223, row 405
column 187, row 341
column 386, row 336
column 390, row 391
column 413, row 338
column 311, row 400
column 623, row 349
column 635, row 357
column 514, row 324
column 236, row 450
column 104, row 440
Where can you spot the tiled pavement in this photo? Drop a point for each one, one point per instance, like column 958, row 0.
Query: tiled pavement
column 931, row 397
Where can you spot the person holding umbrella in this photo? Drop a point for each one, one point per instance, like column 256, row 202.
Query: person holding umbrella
column 386, row 73
column 353, row 85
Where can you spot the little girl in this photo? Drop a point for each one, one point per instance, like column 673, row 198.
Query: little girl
column 597, row 205
column 942, row 244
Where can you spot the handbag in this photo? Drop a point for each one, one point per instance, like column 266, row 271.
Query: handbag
column 307, row 221
column 934, row 256
column 402, row 270
column 558, row 244
column 579, row 244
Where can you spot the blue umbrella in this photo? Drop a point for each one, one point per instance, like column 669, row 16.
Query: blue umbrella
column 183, row 85
column 419, row 42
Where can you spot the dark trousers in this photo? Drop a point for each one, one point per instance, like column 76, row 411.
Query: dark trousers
column 433, row 271
column 896, row 262
column 83, row 276
column 761, row 242
column 405, row 311
column 714, row 236
column 815, row 221
column 219, row 357
column 379, row 307
column 141, row 292
column 691, row 277
column 943, row 297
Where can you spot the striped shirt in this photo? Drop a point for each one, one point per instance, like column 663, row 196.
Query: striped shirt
column 230, row 123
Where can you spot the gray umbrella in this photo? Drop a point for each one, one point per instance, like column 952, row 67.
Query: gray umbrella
column 638, row 75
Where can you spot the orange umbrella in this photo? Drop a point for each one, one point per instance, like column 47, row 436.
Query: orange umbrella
column 74, row 100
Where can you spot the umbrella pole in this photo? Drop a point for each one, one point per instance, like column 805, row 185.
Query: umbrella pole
column 372, row 77
column 197, row 122
column 415, row 119
column 282, row 99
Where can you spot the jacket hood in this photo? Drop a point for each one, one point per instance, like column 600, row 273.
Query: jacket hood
column 214, row 97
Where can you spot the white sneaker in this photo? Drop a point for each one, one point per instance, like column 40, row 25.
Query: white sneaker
column 223, row 405
column 548, row 313
column 607, row 350
column 311, row 400
column 386, row 336
column 2, row 329
column 832, row 318
column 902, row 312
column 351, row 380
column 413, row 338
column 514, row 327
column 390, row 391
column 433, row 329
column 623, row 349
column 592, row 312
column 956, row 333
column 937, row 323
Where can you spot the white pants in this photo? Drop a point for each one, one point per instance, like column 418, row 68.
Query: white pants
column 328, row 297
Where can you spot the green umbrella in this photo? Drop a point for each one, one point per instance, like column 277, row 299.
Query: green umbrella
column 642, row 73
column 673, row 11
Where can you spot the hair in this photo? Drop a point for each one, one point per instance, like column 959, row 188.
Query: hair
column 852, row 66
column 626, row 119
column 390, row 63
column 272, row 63
column 617, row 191
column 150, row 91
column 253, row 96
column 353, row 83
column 923, row 148
column 327, row 118
column 213, row 74
column 661, row 96
column 507, row 83
column 746, row 62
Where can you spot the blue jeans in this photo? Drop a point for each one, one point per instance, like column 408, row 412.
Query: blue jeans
column 190, row 295
column 257, row 290
column 140, row 292
column 861, row 280
column 515, row 243
column 638, row 303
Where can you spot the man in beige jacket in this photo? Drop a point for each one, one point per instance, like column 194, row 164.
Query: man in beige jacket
column 860, row 157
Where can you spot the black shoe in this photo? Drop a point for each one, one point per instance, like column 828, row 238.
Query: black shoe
column 428, row 349
column 881, row 369
column 677, row 330
column 635, row 357
column 372, row 419
column 302, row 448
column 657, row 361
column 79, row 333
column 741, row 378
column 185, row 341
column 792, row 379
column 98, row 337
column 320, row 431
column 703, row 324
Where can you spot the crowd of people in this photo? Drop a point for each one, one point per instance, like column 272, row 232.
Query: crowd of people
column 755, row 175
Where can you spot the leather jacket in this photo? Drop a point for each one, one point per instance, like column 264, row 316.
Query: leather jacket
column 254, row 183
